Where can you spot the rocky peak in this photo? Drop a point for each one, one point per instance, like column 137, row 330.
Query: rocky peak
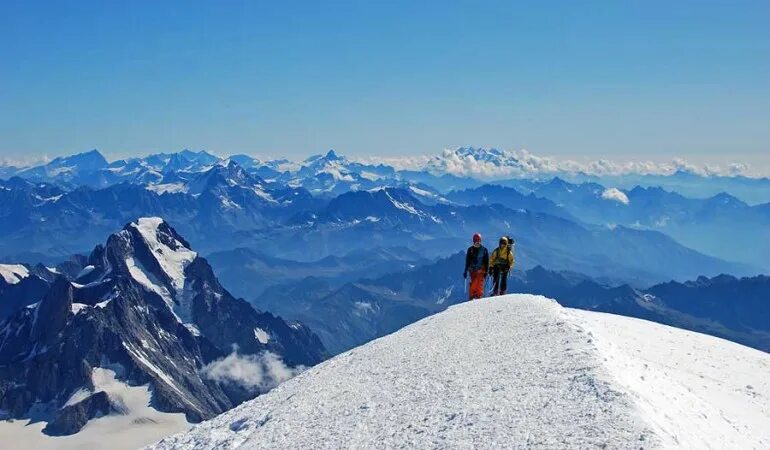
column 147, row 304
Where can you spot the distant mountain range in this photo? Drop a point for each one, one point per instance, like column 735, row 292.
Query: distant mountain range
column 347, row 316
column 454, row 169
column 329, row 206
column 722, row 225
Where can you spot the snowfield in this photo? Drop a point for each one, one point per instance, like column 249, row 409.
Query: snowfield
column 13, row 273
column 139, row 425
column 517, row 371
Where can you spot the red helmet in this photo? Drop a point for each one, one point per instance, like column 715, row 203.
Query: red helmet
column 476, row 237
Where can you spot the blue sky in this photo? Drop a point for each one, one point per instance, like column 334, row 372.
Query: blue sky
column 616, row 79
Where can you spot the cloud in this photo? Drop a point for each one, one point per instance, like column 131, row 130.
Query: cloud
column 256, row 373
column 495, row 164
column 417, row 162
column 615, row 194
column 24, row 162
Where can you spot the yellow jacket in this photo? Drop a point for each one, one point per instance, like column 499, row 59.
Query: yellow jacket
column 502, row 257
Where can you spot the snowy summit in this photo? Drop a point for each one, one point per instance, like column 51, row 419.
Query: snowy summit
column 513, row 371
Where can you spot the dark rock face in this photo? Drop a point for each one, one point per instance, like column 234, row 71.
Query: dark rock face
column 145, row 302
column 73, row 418
column 14, row 296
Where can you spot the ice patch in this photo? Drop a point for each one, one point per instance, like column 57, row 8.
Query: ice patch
column 168, row 188
column 13, row 273
column 86, row 270
column 261, row 335
column 77, row 307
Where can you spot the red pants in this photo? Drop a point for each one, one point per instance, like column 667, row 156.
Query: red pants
column 477, row 284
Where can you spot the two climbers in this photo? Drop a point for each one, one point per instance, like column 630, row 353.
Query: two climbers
column 480, row 265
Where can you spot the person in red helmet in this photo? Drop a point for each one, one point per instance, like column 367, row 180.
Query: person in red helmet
column 476, row 263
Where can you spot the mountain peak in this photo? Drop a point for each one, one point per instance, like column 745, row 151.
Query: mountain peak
column 90, row 160
column 331, row 156
column 156, row 230
column 157, row 259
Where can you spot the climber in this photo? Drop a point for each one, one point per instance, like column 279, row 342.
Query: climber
column 476, row 262
column 500, row 263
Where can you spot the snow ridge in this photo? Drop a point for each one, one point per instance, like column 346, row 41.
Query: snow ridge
column 492, row 373
column 516, row 371
column 173, row 257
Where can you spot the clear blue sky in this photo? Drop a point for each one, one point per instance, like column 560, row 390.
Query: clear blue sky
column 615, row 78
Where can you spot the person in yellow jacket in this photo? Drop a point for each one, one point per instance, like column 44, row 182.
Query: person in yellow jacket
column 500, row 263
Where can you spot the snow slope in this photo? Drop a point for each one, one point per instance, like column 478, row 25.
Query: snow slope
column 696, row 390
column 514, row 371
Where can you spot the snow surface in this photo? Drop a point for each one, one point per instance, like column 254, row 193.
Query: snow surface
column 173, row 262
column 261, row 335
column 168, row 188
column 85, row 271
column 517, row 371
column 13, row 273
column 696, row 390
column 140, row 426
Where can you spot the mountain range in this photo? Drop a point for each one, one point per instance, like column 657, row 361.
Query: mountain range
column 357, row 312
column 244, row 195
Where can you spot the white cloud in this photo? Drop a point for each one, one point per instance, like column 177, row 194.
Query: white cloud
column 256, row 373
column 25, row 162
column 615, row 194
column 495, row 164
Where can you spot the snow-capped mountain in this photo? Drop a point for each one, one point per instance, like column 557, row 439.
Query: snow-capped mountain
column 452, row 169
column 44, row 223
column 365, row 218
column 388, row 205
column 148, row 309
column 514, row 371
column 335, row 174
column 75, row 169
column 222, row 205
column 231, row 208
column 721, row 225
column 490, row 194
